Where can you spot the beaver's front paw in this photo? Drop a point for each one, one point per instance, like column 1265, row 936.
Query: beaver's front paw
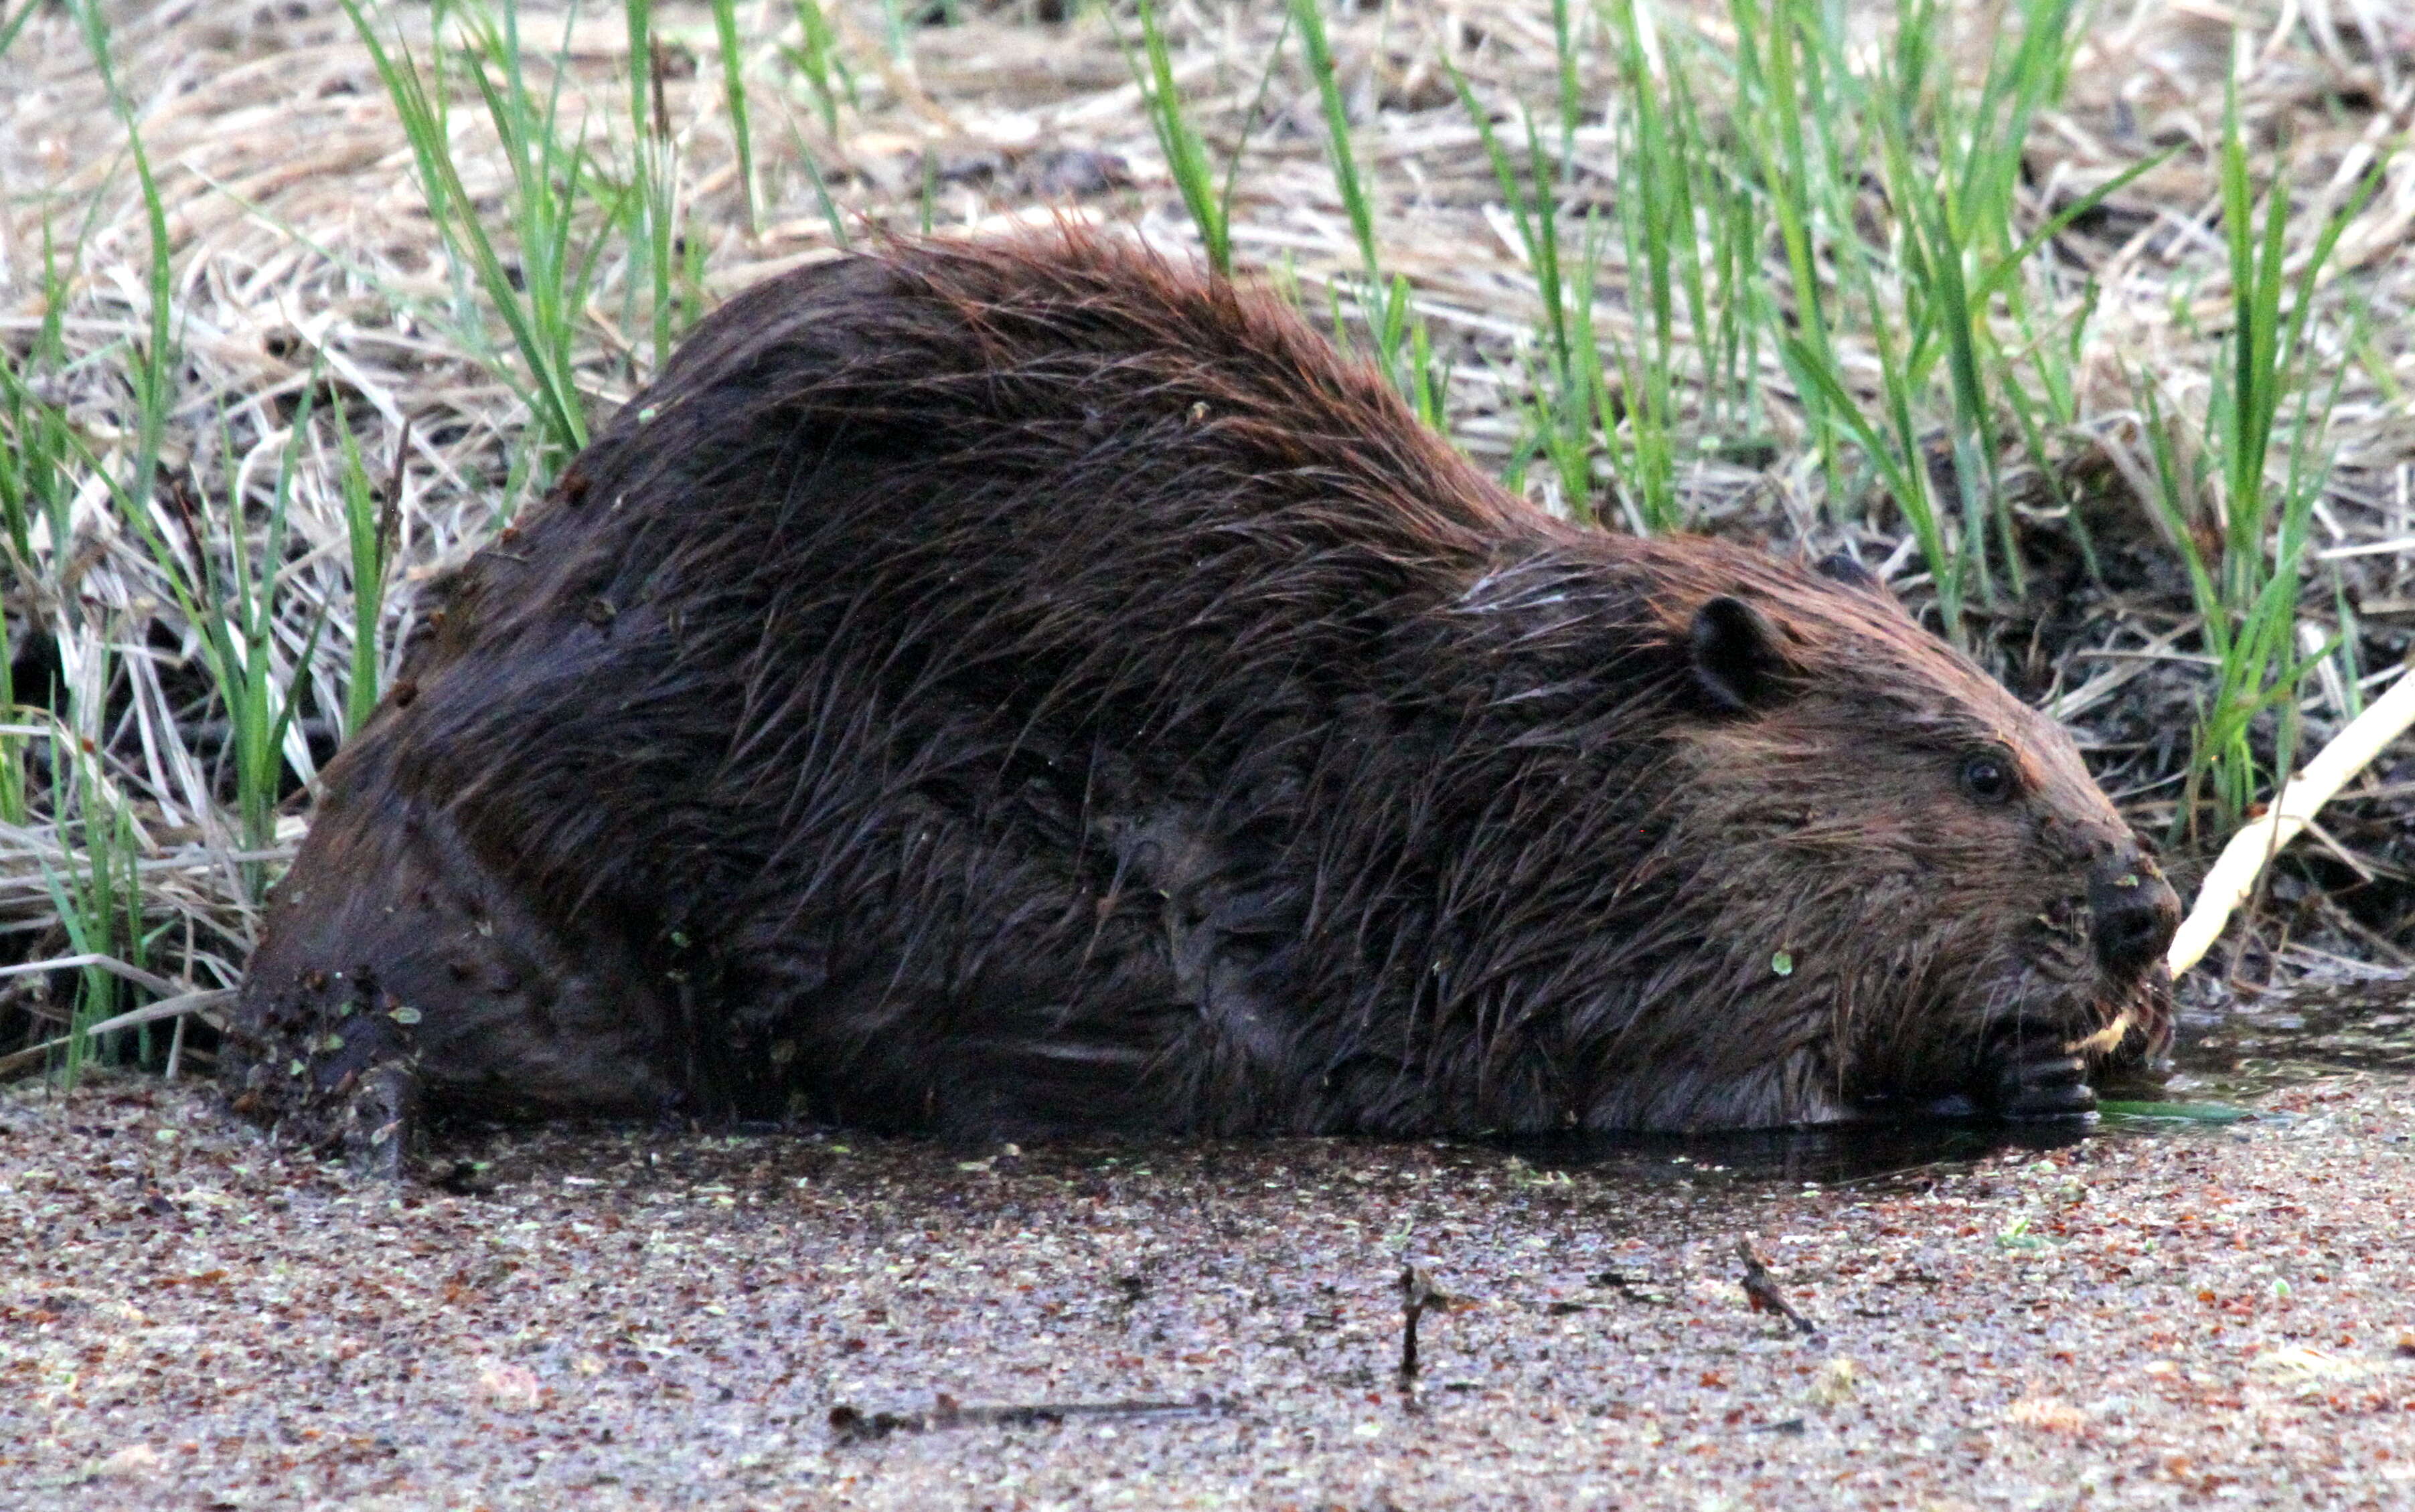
column 2040, row 1079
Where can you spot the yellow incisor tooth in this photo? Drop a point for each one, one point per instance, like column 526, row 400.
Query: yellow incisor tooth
column 2103, row 1041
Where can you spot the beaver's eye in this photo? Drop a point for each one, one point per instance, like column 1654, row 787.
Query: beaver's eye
column 1987, row 776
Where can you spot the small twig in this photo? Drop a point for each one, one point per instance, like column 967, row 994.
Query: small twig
column 1763, row 1293
column 856, row 1426
column 110, row 964
column 1418, row 1294
column 177, row 1008
column 169, row 1007
column 1630, row 1288
column 390, row 510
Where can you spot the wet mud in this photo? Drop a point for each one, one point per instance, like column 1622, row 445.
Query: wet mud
column 2162, row 1311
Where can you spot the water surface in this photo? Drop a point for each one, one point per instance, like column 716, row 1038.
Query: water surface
column 2233, row 1047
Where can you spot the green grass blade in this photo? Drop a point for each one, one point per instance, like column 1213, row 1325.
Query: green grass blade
column 733, row 90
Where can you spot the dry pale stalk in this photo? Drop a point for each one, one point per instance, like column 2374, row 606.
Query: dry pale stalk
column 2252, row 849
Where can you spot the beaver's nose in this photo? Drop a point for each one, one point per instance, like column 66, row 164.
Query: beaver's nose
column 2136, row 912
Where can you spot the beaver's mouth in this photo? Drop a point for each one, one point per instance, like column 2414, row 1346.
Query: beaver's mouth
column 2040, row 1065
column 2041, row 1068
column 2037, row 1057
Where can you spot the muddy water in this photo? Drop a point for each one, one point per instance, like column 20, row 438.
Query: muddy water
column 2144, row 1312
column 2240, row 1045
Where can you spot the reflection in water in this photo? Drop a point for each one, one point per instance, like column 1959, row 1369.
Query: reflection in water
column 2230, row 1047
column 1829, row 1154
column 2234, row 1046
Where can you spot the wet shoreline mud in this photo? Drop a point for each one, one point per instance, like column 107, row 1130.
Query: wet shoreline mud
column 614, row 1317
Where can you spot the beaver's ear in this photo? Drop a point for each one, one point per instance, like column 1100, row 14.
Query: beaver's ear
column 1846, row 568
column 1842, row 567
column 1735, row 657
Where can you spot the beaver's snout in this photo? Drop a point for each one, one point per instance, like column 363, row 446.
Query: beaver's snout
column 2135, row 912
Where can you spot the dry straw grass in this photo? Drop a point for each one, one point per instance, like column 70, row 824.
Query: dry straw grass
column 310, row 294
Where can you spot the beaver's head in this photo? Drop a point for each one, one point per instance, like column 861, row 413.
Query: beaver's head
column 1912, row 887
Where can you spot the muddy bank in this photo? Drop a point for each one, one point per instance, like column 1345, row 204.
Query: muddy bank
column 616, row 1317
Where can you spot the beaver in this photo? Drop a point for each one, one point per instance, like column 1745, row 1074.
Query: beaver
column 1017, row 687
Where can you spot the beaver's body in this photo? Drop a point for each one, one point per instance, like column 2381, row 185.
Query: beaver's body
column 1020, row 688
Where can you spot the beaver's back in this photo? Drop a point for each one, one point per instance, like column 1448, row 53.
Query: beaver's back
column 975, row 614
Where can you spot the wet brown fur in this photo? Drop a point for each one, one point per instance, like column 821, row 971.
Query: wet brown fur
column 1023, row 686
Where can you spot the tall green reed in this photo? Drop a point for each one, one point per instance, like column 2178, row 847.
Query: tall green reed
column 1909, row 177
column 1680, row 221
column 1402, row 348
column 733, row 91
column 1209, row 206
column 819, row 60
column 539, row 296
column 656, row 230
column 370, row 530
column 41, row 461
column 2247, row 595
column 1186, row 156
column 98, row 894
